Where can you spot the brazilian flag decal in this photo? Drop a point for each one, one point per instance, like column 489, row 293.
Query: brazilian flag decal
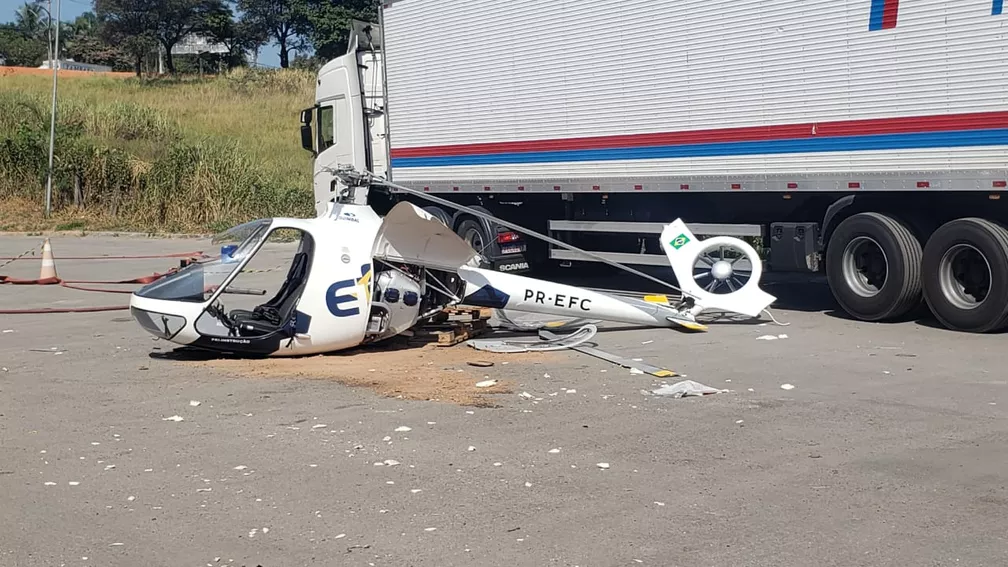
column 680, row 241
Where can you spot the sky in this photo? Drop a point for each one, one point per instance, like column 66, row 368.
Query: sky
column 70, row 9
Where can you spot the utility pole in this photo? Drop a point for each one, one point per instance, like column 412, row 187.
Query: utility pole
column 52, row 118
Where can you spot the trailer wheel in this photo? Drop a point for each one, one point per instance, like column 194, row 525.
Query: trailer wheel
column 966, row 275
column 473, row 233
column 873, row 265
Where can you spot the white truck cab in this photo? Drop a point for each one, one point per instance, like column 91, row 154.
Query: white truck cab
column 347, row 124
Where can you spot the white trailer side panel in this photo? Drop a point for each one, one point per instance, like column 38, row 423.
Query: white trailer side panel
column 702, row 92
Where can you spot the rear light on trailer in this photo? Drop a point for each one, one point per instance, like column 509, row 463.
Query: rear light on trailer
column 853, row 185
column 1000, row 184
column 923, row 184
column 506, row 237
column 792, row 185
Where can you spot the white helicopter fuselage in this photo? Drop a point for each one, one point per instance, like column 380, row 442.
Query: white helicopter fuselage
column 358, row 278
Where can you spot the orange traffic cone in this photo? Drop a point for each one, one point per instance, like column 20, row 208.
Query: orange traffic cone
column 48, row 263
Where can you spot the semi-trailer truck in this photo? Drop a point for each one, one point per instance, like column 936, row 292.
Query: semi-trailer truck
column 863, row 139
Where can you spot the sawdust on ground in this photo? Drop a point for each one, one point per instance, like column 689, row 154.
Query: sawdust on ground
column 426, row 372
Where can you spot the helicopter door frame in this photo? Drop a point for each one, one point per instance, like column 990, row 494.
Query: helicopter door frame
column 264, row 344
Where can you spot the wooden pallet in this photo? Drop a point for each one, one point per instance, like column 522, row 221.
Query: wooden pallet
column 453, row 326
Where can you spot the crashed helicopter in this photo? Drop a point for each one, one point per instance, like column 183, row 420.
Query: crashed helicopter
column 354, row 278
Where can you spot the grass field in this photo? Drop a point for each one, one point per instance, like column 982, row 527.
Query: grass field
column 165, row 155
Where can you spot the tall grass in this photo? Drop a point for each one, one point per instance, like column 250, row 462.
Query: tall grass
column 160, row 155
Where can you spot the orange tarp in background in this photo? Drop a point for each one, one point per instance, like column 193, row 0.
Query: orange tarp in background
column 7, row 71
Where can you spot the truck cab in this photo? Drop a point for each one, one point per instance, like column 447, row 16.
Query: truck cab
column 348, row 125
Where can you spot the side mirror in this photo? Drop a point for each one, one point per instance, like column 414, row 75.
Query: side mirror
column 306, row 138
column 306, row 115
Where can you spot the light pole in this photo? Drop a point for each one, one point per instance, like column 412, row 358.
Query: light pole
column 52, row 117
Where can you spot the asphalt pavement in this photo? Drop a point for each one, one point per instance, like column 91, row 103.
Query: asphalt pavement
column 836, row 443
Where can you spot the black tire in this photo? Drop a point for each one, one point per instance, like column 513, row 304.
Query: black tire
column 900, row 290
column 990, row 240
column 439, row 214
column 475, row 235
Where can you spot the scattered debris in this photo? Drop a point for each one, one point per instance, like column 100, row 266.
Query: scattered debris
column 403, row 429
column 647, row 342
column 175, row 418
column 659, row 503
column 319, row 426
column 471, row 448
column 391, row 462
column 416, row 490
column 486, row 383
column 686, row 388
column 771, row 337
column 358, row 546
column 526, row 395
column 552, row 343
column 480, row 363
column 73, row 483
column 429, row 529
column 554, row 451
column 528, row 485
column 602, row 465
column 787, row 387
column 631, row 364
column 739, row 422
column 194, row 403
column 340, row 536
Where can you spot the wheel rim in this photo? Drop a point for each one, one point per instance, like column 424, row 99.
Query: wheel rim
column 475, row 240
column 722, row 269
column 964, row 276
column 865, row 266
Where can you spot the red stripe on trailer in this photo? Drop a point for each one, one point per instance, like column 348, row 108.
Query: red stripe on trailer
column 736, row 186
column 792, row 185
column 486, row 188
column 853, row 185
column 684, row 187
column 923, row 184
column 809, row 130
column 521, row 187
column 638, row 187
column 596, row 188
column 556, row 187
column 1001, row 184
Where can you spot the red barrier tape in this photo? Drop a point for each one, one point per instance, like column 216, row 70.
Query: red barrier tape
column 196, row 254
column 70, row 284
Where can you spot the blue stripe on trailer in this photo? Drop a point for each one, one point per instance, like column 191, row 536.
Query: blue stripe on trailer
column 998, row 8
column 921, row 140
column 877, row 11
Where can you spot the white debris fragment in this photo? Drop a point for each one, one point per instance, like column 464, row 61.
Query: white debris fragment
column 498, row 464
column 175, row 418
column 50, row 484
column 391, row 462
column 386, row 438
column 602, row 465
column 686, row 388
column 116, row 544
column 470, row 412
column 109, row 467
column 73, row 483
column 752, row 390
column 265, row 530
column 554, row 451
column 659, row 503
column 8, row 331
column 486, row 383
column 526, row 395
column 739, row 422
column 572, row 391
column 131, row 498
column 431, row 423
column 340, row 536
column 781, row 336
column 204, row 489
column 647, row 342
column 148, row 470
column 787, row 387
column 636, row 371
column 638, row 360
column 319, row 426
column 379, row 464
column 240, row 468
column 252, row 532
column 416, row 490
column 766, row 338
column 886, row 372
column 403, row 429
column 429, row 529
column 546, row 375
column 528, row 485
column 389, row 482
column 471, row 448
column 194, row 403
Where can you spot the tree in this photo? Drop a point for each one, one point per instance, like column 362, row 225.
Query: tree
column 130, row 24
column 175, row 19
column 83, row 43
column 279, row 18
column 19, row 50
column 239, row 36
column 326, row 23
